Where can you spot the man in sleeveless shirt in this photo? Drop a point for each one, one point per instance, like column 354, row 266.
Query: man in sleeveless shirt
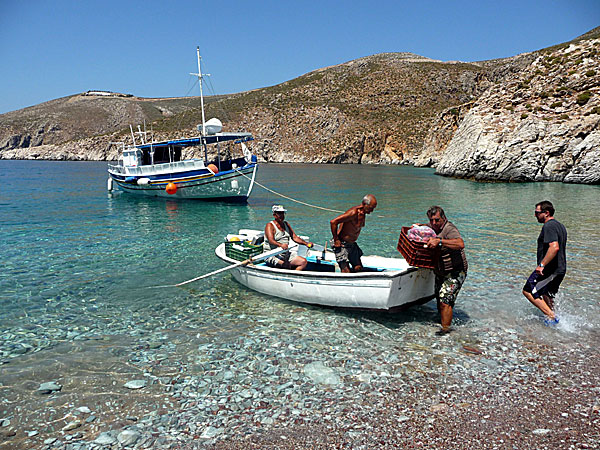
column 452, row 264
column 345, row 229
column 278, row 234
column 542, row 285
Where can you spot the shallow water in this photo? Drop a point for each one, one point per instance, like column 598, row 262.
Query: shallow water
column 78, row 264
column 75, row 256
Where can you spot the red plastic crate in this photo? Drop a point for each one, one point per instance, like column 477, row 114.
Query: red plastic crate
column 415, row 253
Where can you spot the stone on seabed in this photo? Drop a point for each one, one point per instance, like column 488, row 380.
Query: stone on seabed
column 135, row 384
column 320, row 373
column 128, row 437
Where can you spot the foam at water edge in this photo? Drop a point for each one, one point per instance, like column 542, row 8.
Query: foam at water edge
column 569, row 322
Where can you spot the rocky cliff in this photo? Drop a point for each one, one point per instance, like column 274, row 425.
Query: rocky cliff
column 542, row 124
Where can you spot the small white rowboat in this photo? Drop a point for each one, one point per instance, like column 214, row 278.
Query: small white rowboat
column 386, row 284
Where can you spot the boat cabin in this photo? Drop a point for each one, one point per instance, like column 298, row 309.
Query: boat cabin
column 147, row 156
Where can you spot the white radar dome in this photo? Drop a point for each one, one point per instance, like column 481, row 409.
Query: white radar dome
column 212, row 126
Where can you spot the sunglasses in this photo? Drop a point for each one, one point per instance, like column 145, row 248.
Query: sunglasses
column 539, row 212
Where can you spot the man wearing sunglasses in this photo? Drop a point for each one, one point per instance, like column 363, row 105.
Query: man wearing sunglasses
column 542, row 285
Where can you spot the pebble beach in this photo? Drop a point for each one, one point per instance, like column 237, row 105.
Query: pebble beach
column 472, row 388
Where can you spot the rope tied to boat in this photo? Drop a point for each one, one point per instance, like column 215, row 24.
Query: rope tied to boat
column 293, row 199
column 489, row 232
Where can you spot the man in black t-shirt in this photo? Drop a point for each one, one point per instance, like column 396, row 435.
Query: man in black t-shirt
column 542, row 285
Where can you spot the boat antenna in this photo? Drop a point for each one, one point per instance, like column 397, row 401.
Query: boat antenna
column 200, row 75
column 132, row 135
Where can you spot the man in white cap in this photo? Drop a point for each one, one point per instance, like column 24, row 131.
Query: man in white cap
column 278, row 234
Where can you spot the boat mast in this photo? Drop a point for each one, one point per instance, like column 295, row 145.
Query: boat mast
column 201, row 96
column 200, row 75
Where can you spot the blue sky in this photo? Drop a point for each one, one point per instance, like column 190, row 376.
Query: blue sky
column 54, row 48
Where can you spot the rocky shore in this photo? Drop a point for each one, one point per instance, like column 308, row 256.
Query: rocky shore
column 474, row 388
column 541, row 125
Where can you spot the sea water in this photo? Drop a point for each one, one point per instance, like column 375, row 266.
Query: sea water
column 80, row 264
column 74, row 255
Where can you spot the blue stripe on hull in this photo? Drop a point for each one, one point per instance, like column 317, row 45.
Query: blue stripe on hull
column 216, row 187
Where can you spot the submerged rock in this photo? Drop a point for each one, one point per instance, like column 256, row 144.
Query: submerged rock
column 321, row 374
column 135, row 384
column 49, row 387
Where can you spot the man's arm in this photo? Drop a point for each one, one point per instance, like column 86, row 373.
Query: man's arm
column 452, row 244
column 453, row 241
column 297, row 238
column 553, row 249
column 334, row 223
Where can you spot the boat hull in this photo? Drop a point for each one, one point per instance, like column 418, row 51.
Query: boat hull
column 233, row 185
column 396, row 286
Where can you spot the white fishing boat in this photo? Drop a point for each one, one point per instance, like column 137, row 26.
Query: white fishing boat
column 385, row 284
column 158, row 169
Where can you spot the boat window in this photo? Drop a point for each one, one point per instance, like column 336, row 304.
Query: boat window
column 146, row 158
column 176, row 154
column 165, row 155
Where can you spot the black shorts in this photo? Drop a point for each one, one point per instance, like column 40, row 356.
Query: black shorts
column 348, row 253
column 538, row 285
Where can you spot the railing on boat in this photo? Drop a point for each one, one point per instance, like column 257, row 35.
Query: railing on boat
column 157, row 168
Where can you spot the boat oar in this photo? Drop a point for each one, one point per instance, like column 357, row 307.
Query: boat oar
column 223, row 269
column 257, row 258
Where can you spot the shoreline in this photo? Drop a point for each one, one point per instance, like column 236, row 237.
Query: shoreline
column 467, row 396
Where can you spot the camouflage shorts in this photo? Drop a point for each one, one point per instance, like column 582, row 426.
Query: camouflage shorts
column 448, row 286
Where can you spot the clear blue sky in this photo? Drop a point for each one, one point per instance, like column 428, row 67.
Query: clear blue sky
column 54, row 48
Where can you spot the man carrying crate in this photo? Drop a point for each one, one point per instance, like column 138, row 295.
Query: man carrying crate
column 451, row 270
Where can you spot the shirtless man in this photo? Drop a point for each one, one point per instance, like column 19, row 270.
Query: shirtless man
column 345, row 229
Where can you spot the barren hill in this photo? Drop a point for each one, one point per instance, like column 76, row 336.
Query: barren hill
column 374, row 109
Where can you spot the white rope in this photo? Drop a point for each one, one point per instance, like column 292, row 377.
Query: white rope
column 292, row 199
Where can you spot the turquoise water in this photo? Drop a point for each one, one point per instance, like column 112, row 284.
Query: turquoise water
column 78, row 261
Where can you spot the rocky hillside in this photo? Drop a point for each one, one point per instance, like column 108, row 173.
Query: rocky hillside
column 93, row 114
column 371, row 110
column 465, row 119
column 542, row 123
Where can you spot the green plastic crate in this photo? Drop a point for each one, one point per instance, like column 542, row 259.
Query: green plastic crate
column 241, row 255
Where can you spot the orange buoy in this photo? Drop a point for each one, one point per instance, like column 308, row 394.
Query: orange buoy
column 171, row 188
column 213, row 168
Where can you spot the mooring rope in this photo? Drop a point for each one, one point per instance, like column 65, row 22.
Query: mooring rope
column 293, row 199
column 337, row 211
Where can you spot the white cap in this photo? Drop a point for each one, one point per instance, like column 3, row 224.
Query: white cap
column 278, row 208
